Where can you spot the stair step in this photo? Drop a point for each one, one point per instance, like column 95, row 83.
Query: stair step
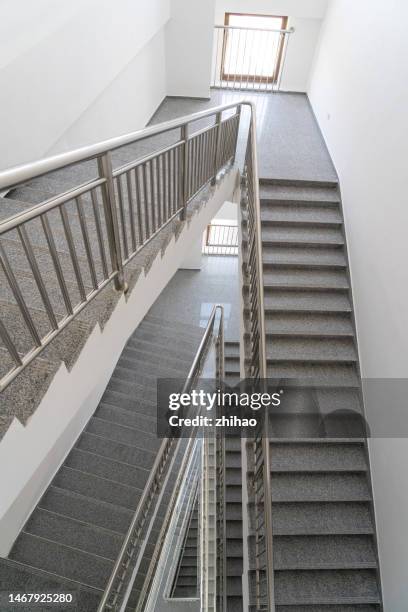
column 324, row 552
column 306, row 279
column 330, row 587
column 306, row 301
column 314, row 375
column 119, row 399
column 338, row 350
column 301, row 256
column 124, row 435
column 67, row 531
column 138, row 391
column 117, row 471
column 186, row 592
column 286, row 234
column 303, row 213
column 86, row 509
column 20, row 578
column 231, row 349
column 180, row 327
column 116, row 415
column 317, row 457
column 309, row 324
column 137, row 356
column 320, row 487
column 292, row 194
column 139, row 368
column 158, row 348
column 151, row 332
column 70, row 563
column 97, row 488
column 300, row 518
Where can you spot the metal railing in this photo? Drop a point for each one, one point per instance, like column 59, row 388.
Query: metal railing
column 94, row 230
column 193, row 376
column 221, row 239
column 91, row 232
column 185, row 530
column 257, row 370
column 249, row 58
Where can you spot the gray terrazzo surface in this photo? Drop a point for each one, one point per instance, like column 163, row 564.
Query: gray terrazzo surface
column 191, row 294
column 290, row 144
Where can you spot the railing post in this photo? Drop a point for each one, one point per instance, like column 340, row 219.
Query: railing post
column 185, row 181
column 218, row 117
column 112, row 226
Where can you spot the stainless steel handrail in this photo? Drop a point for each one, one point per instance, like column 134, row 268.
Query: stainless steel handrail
column 279, row 31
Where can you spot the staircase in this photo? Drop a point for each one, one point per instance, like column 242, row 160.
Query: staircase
column 74, row 535
column 233, row 482
column 323, row 528
column 186, row 582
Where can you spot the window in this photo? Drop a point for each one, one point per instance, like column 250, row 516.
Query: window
column 252, row 55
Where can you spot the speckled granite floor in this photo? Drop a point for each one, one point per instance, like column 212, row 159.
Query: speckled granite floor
column 291, row 146
column 191, row 294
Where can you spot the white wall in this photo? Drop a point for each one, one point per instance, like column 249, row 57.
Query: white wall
column 58, row 62
column 127, row 103
column 359, row 92
column 228, row 212
column 306, row 17
column 189, row 46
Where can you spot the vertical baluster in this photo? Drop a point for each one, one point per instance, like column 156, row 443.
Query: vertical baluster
column 153, row 210
column 202, row 164
column 198, row 163
column 285, row 43
column 18, row 296
column 244, row 57
column 175, row 178
column 28, row 249
column 72, row 251
column 276, row 48
column 131, row 209
column 9, row 344
column 57, row 264
column 99, row 234
column 171, row 180
column 146, row 201
column 163, row 185
column 251, row 66
column 180, row 192
column 158, row 198
column 162, row 189
column 167, row 184
column 185, row 182
column 208, row 156
column 87, row 242
column 236, row 77
column 118, row 182
column 216, row 41
column 139, row 195
column 231, row 50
